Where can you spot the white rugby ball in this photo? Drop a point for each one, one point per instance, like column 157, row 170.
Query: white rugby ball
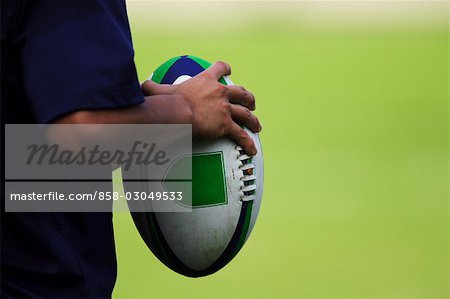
column 227, row 187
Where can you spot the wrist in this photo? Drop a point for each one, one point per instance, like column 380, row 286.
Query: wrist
column 183, row 110
column 166, row 109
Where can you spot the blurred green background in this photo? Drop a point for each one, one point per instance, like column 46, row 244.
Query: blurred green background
column 353, row 98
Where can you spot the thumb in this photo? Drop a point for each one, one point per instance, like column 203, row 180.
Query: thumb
column 151, row 88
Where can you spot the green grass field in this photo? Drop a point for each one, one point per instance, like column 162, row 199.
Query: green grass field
column 355, row 139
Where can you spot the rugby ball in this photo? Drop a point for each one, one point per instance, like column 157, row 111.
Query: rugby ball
column 227, row 188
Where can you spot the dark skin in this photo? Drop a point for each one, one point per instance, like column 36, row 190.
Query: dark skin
column 213, row 109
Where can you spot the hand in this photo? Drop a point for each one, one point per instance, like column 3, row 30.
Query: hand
column 217, row 110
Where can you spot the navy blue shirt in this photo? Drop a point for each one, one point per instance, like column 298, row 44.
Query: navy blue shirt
column 57, row 57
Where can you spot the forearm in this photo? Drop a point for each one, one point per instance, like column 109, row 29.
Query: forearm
column 159, row 109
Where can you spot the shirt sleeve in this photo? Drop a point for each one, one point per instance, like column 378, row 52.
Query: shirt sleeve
column 77, row 55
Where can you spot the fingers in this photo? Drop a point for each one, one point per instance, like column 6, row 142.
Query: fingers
column 239, row 95
column 243, row 116
column 241, row 137
column 218, row 70
column 151, row 88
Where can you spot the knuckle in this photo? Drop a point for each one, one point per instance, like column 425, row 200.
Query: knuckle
column 225, row 106
column 220, row 89
column 146, row 85
column 243, row 135
column 205, row 75
column 247, row 113
column 245, row 93
column 223, row 65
